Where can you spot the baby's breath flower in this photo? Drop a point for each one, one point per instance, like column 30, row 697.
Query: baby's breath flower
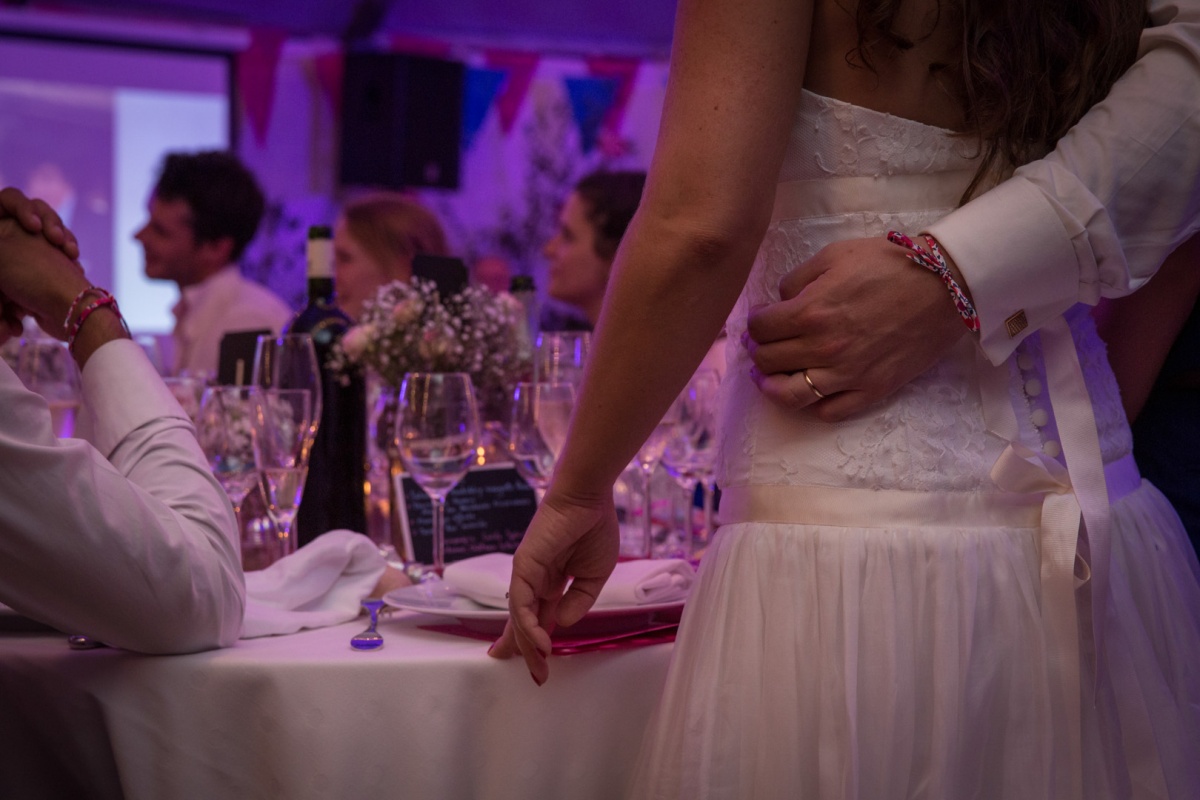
column 408, row 327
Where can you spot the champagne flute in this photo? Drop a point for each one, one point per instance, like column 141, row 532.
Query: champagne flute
column 540, row 417
column 437, row 434
column 560, row 356
column 281, row 447
column 46, row 367
column 290, row 362
column 225, row 428
column 648, row 458
column 691, row 452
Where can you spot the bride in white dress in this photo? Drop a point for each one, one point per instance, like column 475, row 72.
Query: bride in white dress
column 963, row 591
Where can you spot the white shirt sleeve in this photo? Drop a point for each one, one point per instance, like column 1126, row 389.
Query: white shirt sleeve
column 1098, row 215
column 130, row 540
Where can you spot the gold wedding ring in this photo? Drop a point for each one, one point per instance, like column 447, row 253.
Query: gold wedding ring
column 812, row 385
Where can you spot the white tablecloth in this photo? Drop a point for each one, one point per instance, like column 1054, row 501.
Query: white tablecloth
column 304, row 716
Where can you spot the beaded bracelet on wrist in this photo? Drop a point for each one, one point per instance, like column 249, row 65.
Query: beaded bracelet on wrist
column 75, row 304
column 933, row 261
column 102, row 299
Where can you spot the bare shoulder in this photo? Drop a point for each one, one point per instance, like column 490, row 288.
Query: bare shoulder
column 913, row 82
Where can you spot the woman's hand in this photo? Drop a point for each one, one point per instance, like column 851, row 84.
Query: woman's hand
column 568, row 539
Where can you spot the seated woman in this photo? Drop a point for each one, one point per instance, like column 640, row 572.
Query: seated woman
column 590, row 226
column 374, row 242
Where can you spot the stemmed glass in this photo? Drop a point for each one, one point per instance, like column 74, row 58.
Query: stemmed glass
column 437, row 435
column 648, row 458
column 46, row 367
column 290, row 362
column 225, row 428
column 281, row 446
column 560, row 356
column 540, row 417
column 691, row 452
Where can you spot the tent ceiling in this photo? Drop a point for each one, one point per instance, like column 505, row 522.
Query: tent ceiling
column 635, row 27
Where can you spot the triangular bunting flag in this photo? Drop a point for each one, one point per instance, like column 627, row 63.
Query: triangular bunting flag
column 623, row 71
column 256, row 66
column 520, row 67
column 480, row 90
column 591, row 98
column 328, row 68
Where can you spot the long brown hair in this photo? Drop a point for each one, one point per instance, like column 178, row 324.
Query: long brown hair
column 1029, row 69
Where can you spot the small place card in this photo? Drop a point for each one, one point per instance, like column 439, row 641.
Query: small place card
column 487, row 512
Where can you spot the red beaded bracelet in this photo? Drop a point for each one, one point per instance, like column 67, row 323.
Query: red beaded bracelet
column 103, row 299
column 933, row 261
column 71, row 309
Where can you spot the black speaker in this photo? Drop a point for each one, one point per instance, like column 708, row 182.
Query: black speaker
column 401, row 121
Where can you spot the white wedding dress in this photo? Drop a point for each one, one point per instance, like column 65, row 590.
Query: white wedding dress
column 880, row 619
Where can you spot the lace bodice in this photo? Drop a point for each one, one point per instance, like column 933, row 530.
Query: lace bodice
column 851, row 172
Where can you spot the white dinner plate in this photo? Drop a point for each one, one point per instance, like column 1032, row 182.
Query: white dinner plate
column 438, row 599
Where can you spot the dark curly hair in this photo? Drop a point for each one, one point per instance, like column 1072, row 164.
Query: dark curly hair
column 610, row 200
column 1027, row 69
column 224, row 196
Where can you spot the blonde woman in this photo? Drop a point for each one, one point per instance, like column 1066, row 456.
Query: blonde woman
column 374, row 242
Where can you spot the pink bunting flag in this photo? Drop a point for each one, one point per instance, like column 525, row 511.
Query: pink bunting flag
column 256, row 67
column 520, row 67
column 328, row 68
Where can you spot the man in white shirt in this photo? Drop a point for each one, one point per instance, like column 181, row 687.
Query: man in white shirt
column 1094, row 218
column 126, row 538
column 204, row 210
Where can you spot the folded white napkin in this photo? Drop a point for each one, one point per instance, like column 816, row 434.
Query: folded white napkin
column 485, row 580
column 322, row 583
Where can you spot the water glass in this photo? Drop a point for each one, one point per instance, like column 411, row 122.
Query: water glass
column 225, row 427
column 538, row 430
column 437, row 437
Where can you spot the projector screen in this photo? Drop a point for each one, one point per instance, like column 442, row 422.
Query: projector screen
column 85, row 126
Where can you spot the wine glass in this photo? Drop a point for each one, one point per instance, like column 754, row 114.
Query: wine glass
column 560, row 356
column 648, row 458
column 691, row 452
column 225, row 428
column 437, row 434
column 46, row 367
column 281, row 446
column 540, row 417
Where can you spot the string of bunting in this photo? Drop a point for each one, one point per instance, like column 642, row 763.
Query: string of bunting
column 598, row 99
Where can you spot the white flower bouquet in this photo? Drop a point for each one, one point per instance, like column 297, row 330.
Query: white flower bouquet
column 409, row 327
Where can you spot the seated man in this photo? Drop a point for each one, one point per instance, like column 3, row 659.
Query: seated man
column 129, row 538
column 204, row 210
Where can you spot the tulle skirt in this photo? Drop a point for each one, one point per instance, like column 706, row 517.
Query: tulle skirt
column 823, row 662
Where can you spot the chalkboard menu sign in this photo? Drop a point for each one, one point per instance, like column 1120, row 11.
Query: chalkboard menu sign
column 487, row 512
